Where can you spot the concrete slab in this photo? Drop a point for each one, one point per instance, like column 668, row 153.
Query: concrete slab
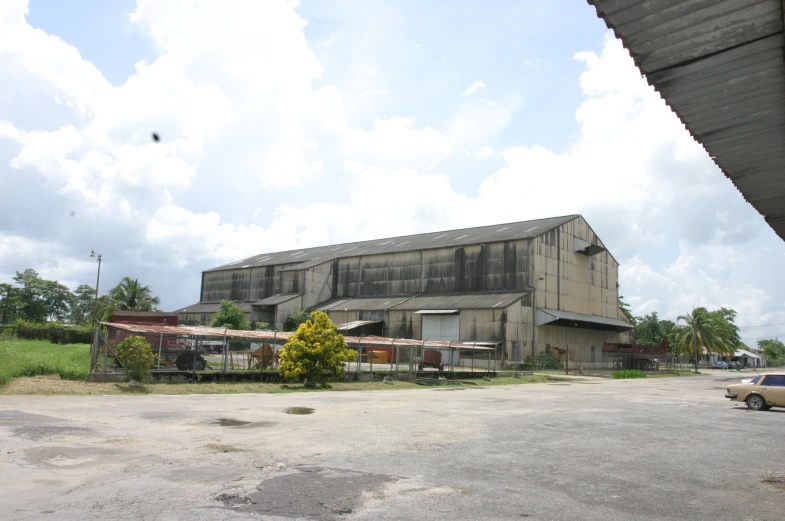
column 615, row 450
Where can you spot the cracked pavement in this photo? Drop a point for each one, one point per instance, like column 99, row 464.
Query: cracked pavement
column 667, row 448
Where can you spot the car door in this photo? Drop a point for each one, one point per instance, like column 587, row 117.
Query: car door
column 773, row 389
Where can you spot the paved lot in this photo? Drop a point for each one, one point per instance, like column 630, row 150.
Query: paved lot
column 599, row 450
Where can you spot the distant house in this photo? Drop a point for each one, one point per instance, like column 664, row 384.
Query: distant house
column 526, row 286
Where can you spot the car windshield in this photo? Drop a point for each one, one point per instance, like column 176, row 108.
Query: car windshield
column 753, row 380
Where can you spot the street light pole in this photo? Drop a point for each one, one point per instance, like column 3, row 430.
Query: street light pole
column 93, row 254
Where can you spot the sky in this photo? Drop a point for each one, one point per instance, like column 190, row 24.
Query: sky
column 285, row 125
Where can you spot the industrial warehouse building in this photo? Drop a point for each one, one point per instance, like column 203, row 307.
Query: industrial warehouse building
column 528, row 287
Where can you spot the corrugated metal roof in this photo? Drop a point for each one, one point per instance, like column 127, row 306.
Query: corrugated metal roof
column 461, row 301
column 430, row 302
column 144, row 313
column 547, row 316
column 275, row 336
column 719, row 65
column 361, row 304
column 211, row 307
column 313, row 256
column 276, row 299
column 356, row 324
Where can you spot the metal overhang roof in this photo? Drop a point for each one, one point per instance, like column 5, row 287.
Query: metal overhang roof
column 549, row 316
column 468, row 236
column 276, row 299
column 719, row 65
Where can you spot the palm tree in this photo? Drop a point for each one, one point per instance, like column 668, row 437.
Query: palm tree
column 129, row 295
column 705, row 330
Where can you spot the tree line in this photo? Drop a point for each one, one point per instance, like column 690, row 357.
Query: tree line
column 34, row 299
column 715, row 332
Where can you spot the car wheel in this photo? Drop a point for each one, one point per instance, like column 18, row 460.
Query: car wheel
column 756, row 402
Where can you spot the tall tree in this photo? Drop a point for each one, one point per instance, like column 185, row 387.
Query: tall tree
column 82, row 304
column 130, row 295
column 625, row 308
column 230, row 315
column 703, row 330
column 773, row 350
column 731, row 329
column 42, row 299
column 9, row 303
column 650, row 330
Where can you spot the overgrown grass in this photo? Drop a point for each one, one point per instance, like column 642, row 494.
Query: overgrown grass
column 39, row 357
column 628, row 373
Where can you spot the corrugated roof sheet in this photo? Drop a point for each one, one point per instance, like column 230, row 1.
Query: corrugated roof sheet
column 433, row 302
column 313, row 256
column 275, row 336
column 546, row 316
column 461, row 301
column 719, row 65
column 361, row 304
column 143, row 313
column 211, row 307
column 276, row 299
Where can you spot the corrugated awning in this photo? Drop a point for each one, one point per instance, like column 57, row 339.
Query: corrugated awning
column 438, row 312
column 552, row 317
column 276, row 299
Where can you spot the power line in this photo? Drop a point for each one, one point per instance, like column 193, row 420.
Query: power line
column 763, row 325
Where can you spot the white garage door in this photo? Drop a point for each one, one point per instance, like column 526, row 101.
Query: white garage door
column 440, row 327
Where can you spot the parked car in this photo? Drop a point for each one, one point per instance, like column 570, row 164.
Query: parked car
column 719, row 365
column 761, row 392
column 734, row 365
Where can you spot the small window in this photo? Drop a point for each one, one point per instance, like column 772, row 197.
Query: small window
column 547, row 349
column 592, row 353
column 774, row 381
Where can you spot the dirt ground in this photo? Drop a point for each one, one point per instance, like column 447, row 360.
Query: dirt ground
column 53, row 384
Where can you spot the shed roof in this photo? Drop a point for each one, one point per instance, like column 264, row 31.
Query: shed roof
column 361, row 304
column 220, row 333
column 450, row 301
column 552, row 317
column 719, row 65
column 463, row 237
column 212, row 307
column 461, row 301
column 275, row 299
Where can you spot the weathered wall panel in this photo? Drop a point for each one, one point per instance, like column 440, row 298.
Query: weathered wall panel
column 226, row 285
column 318, row 284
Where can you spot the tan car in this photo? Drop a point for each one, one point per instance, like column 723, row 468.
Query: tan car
column 761, row 392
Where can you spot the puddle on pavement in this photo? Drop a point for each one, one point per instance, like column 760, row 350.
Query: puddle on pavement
column 299, row 410
column 228, row 422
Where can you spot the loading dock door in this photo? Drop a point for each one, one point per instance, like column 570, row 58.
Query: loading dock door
column 440, row 327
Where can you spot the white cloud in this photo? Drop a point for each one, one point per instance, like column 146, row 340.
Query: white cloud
column 375, row 92
column 258, row 154
column 474, row 87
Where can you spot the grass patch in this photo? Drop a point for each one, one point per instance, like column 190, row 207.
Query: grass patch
column 672, row 374
column 20, row 358
column 628, row 373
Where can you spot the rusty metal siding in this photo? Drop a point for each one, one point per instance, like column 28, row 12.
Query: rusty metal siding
column 482, row 324
column 226, row 285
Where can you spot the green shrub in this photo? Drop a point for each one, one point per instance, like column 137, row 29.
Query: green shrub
column 54, row 332
column 542, row 361
column 137, row 358
column 629, row 373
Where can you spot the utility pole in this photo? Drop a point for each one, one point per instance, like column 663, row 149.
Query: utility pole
column 93, row 254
